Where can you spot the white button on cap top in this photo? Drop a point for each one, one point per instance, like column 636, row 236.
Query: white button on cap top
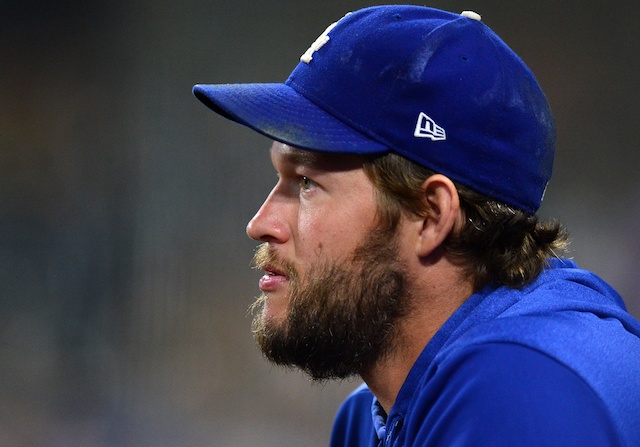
column 471, row 15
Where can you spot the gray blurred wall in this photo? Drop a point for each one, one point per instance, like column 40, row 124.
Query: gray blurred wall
column 124, row 267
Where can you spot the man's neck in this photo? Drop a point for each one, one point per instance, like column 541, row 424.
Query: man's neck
column 413, row 333
column 388, row 375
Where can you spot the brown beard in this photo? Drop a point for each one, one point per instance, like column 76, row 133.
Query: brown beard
column 341, row 320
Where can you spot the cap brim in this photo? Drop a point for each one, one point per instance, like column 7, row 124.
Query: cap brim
column 281, row 113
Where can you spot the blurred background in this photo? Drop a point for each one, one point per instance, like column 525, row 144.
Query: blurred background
column 124, row 267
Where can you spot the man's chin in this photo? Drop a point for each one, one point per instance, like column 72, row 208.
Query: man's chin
column 271, row 309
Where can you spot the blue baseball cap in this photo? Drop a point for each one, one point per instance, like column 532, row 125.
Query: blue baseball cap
column 438, row 88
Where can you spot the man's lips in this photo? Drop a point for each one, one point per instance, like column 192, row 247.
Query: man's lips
column 271, row 280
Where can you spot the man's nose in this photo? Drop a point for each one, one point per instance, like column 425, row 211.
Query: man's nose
column 269, row 224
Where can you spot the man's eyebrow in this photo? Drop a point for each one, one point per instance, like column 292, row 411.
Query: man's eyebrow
column 322, row 160
column 303, row 157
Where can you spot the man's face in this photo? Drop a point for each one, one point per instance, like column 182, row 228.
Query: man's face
column 333, row 285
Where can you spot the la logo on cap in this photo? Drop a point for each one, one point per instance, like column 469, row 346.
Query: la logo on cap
column 319, row 42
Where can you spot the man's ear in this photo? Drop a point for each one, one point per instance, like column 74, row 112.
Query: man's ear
column 443, row 209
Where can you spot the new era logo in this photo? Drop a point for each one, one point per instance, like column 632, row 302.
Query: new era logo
column 427, row 128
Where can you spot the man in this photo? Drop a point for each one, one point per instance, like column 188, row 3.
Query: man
column 401, row 243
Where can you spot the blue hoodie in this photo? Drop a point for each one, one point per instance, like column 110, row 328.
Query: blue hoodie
column 556, row 363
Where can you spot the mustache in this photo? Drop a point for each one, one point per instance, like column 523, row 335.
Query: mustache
column 266, row 258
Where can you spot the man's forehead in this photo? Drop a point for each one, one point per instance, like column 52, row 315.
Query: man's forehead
column 284, row 153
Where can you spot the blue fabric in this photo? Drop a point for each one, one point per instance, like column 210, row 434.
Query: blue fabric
column 554, row 364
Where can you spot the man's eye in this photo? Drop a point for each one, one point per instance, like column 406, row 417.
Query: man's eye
column 306, row 183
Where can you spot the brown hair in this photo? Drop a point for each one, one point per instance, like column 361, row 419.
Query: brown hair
column 497, row 242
